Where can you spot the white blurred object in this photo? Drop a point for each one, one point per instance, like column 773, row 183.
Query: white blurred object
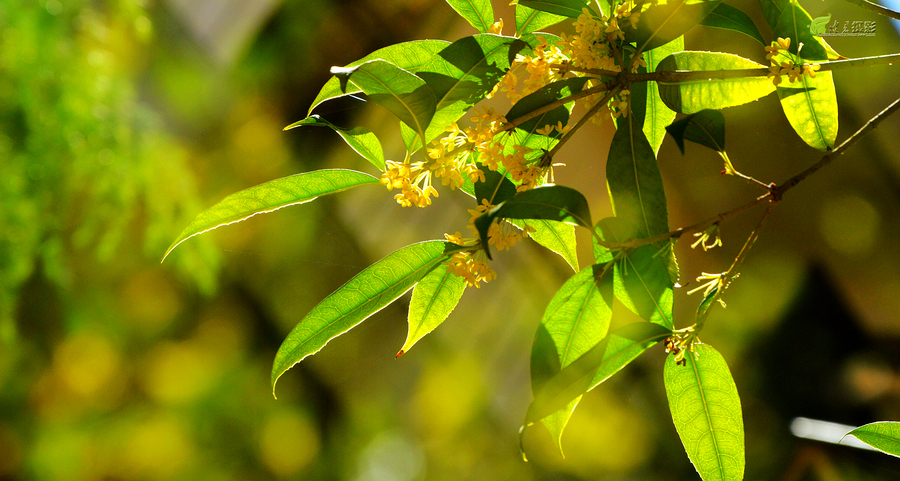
column 223, row 26
column 827, row 432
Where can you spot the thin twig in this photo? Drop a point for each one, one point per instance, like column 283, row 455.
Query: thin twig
column 776, row 192
column 876, row 8
column 511, row 124
column 584, row 119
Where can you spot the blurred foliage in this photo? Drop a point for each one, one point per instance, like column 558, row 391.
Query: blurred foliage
column 118, row 125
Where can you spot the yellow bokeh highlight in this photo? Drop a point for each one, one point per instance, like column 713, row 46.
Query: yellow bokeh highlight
column 150, row 301
column 449, row 394
column 159, row 447
column 288, row 443
column 88, row 365
column 849, row 224
column 179, row 373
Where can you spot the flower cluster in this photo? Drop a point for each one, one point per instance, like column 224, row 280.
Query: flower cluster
column 538, row 65
column 779, row 69
column 618, row 105
column 493, row 154
column 470, row 268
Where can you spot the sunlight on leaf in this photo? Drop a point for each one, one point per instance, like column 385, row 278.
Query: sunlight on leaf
column 883, row 436
column 692, row 96
column 360, row 139
column 367, row 293
column 433, row 299
column 530, row 20
column 270, row 196
column 812, row 109
column 707, row 414
column 727, row 17
column 657, row 115
column 568, row 8
column 664, row 22
column 479, row 13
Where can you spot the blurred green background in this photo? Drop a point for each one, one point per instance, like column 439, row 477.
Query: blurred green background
column 120, row 120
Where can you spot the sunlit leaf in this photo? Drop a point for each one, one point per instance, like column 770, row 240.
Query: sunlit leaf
column 664, row 22
column 402, row 93
column 811, row 108
column 635, row 184
column 462, row 74
column 553, row 202
column 595, row 366
column 706, row 127
column 271, row 196
column 883, row 436
column 367, row 293
column 407, row 55
column 730, row 18
column 556, row 236
column 479, row 13
column 568, row 8
column 706, row 410
column 691, row 96
column 656, row 115
column 530, row 20
column 794, row 24
column 433, row 299
column 576, row 319
column 643, row 276
column 774, row 10
column 360, row 139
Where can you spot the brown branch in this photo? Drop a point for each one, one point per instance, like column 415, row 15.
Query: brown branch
column 876, row 8
column 776, row 192
column 511, row 124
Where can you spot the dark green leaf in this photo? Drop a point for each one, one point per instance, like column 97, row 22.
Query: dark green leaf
column 812, row 109
column 360, row 139
column 568, row 8
column 772, row 10
column 692, row 96
column 635, row 184
column 730, row 18
column 883, row 436
column 706, row 303
column 554, row 202
column 271, row 196
column 657, row 116
column 496, row 188
column 706, row 410
column 433, row 299
column 402, row 93
column 595, row 366
column 706, row 127
column 542, row 97
column 462, row 74
column 530, row 20
column 407, row 55
column 367, row 293
column 664, row 22
column 576, row 319
column 479, row 13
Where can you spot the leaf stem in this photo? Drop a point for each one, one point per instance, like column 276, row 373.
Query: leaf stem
column 876, row 8
column 583, row 120
column 776, row 192
column 511, row 124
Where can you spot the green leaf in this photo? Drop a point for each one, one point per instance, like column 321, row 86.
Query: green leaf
column 594, row 367
column 576, row 319
column 433, row 299
column 812, row 109
column 883, row 436
column 772, row 10
column 360, row 139
column 530, row 20
column 556, row 236
column 367, row 293
column 402, row 93
column 794, row 24
column 692, row 96
column 730, row 18
column 496, row 188
column 706, row 127
column 462, row 74
column 542, row 97
column 635, row 184
column 271, row 196
column 479, row 13
column 657, row 116
column 664, row 22
column 706, row 410
column 567, row 8
column 407, row 55
column 643, row 280
column 554, row 202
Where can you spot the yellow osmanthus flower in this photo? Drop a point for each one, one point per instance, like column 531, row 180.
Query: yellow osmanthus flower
column 618, row 105
column 497, row 27
column 470, row 268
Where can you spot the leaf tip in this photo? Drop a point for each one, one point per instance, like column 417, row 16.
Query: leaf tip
column 402, row 352
column 522, row 442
